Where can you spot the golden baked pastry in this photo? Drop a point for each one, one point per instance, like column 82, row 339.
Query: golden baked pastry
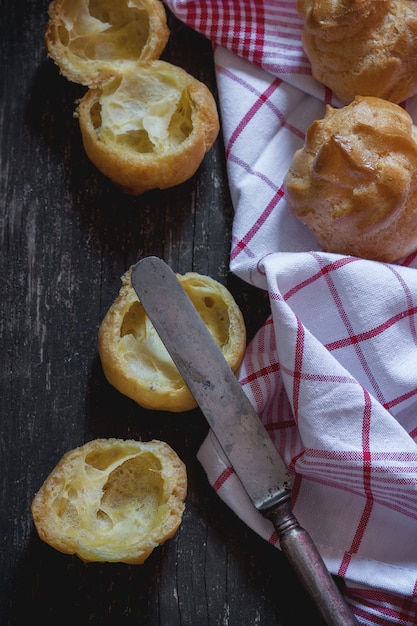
column 145, row 123
column 136, row 362
column 112, row 500
column 90, row 40
column 362, row 47
column 149, row 127
column 354, row 182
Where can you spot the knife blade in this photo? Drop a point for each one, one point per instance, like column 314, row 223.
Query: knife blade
column 237, row 427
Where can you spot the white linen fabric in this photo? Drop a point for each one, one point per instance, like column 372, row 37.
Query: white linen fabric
column 333, row 372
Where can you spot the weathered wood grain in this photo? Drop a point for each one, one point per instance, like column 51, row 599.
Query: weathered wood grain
column 66, row 237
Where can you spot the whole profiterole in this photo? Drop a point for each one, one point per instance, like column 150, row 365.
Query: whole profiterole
column 362, row 47
column 354, row 182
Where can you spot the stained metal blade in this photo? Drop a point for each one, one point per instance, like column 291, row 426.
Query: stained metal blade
column 213, row 384
column 237, row 427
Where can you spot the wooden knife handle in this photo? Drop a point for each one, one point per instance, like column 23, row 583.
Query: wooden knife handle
column 306, row 561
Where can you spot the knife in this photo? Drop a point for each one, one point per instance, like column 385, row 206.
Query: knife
column 236, row 427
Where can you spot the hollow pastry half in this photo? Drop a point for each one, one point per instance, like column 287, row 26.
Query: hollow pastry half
column 112, row 500
column 354, row 183
column 362, row 47
column 136, row 362
column 149, row 127
column 91, row 40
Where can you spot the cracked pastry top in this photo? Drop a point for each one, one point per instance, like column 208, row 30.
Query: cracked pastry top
column 353, row 183
column 362, row 47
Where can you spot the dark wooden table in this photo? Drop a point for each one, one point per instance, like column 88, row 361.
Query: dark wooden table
column 67, row 235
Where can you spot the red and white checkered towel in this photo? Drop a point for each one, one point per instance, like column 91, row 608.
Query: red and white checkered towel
column 333, row 371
